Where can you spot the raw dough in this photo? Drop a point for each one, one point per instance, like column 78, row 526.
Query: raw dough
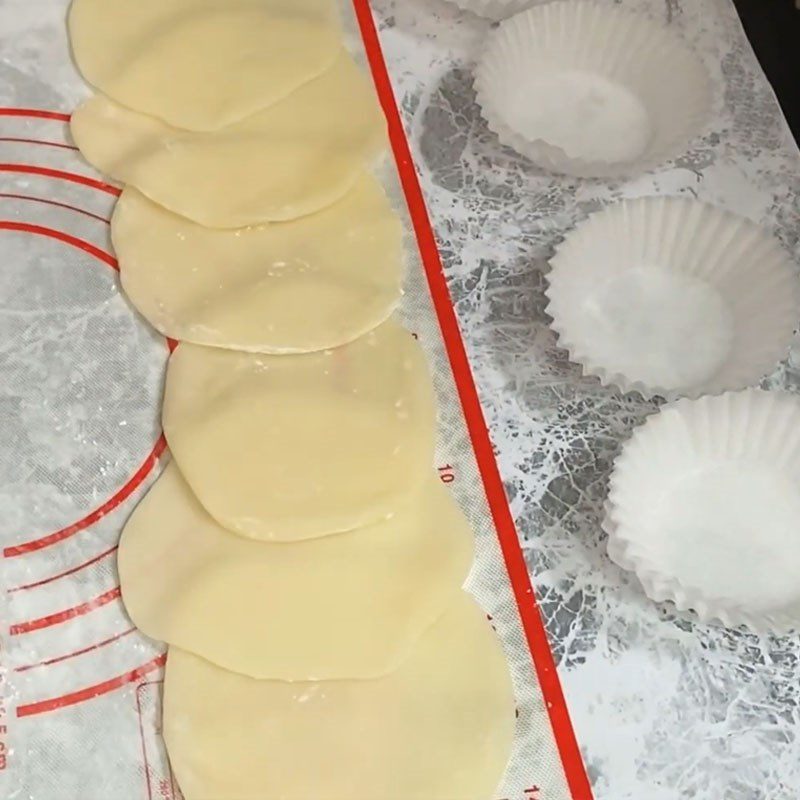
column 439, row 728
column 298, row 446
column 300, row 286
column 347, row 606
column 202, row 64
column 292, row 159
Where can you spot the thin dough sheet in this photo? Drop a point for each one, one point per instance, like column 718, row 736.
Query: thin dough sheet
column 346, row 606
column 298, row 446
column 202, row 65
column 292, row 159
column 439, row 728
column 292, row 287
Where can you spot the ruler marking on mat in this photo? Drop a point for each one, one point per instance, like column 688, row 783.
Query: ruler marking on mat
column 532, row 624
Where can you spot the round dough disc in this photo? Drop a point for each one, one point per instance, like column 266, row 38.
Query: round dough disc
column 347, row 606
column 202, row 65
column 291, row 159
column 314, row 283
column 438, row 728
column 299, row 446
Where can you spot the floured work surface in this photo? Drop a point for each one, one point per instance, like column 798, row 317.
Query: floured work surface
column 82, row 384
column 696, row 711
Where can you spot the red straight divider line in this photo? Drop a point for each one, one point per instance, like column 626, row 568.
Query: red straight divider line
column 532, row 624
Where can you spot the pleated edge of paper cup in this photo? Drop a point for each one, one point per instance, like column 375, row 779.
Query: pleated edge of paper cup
column 625, row 385
column 553, row 158
column 607, row 377
column 616, row 380
column 496, row 10
column 661, row 588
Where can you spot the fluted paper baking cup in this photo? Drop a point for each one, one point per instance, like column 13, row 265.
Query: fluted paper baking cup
column 496, row 9
column 704, row 507
column 587, row 89
column 673, row 297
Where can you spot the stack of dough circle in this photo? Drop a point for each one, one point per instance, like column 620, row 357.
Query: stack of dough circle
column 205, row 64
column 300, row 555
column 347, row 606
column 439, row 727
column 293, row 447
column 291, row 159
column 310, row 284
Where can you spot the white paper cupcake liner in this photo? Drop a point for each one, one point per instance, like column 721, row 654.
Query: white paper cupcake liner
column 672, row 297
column 587, row 89
column 704, row 507
column 496, row 9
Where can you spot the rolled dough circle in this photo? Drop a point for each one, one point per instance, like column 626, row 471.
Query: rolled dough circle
column 291, row 159
column 347, row 606
column 202, row 65
column 298, row 446
column 314, row 283
column 438, row 728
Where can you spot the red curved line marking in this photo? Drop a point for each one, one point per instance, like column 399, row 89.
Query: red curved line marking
column 46, row 202
column 27, row 169
column 64, row 574
column 152, row 458
column 532, row 624
column 74, row 241
column 34, row 112
column 66, row 615
column 123, row 494
column 90, row 692
column 81, row 652
column 20, row 140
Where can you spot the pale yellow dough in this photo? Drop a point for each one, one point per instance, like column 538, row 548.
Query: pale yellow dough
column 292, row 159
column 202, row 64
column 300, row 286
column 346, row 606
column 439, row 728
column 299, row 446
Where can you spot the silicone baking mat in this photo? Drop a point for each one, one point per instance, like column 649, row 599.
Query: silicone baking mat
column 79, row 408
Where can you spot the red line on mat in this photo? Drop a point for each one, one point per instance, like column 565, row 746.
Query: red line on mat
column 20, row 140
column 47, row 172
column 71, row 571
column 52, row 233
column 66, row 614
column 46, row 202
column 123, row 494
column 498, row 504
column 148, row 782
column 90, row 692
column 34, row 112
column 149, row 462
column 50, row 661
